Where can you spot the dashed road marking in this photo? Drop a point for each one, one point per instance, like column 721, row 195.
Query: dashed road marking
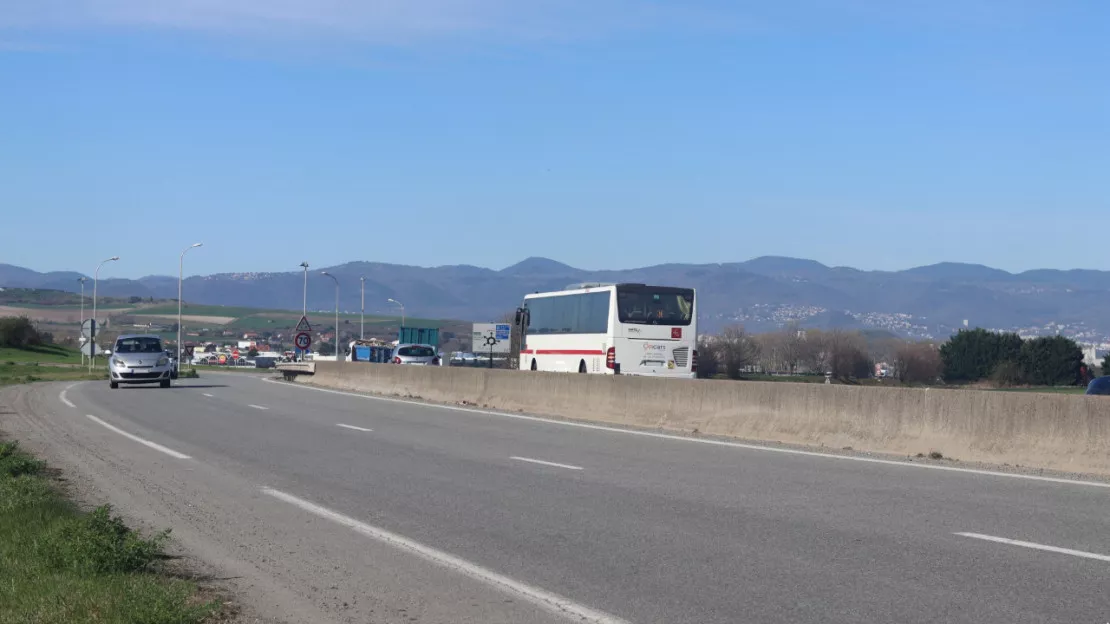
column 546, row 463
column 131, row 436
column 540, row 597
column 353, row 427
column 1036, row 546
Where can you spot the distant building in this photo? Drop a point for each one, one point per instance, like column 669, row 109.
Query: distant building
column 1090, row 355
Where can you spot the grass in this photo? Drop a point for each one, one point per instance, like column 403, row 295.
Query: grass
column 195, row 309
column 46, row 354
column 59, row 564
column 100, row 305
column 27, row 373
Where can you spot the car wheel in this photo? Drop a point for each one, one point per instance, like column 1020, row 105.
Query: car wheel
column 165, row 383
column 113, row 385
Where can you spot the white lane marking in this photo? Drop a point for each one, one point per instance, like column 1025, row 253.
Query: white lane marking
column 257, row 407
column 740, row 445
column 1035, row 546
column 64, row 398
column 543, row 598
column 131, row 436
column 352, row 427
column 207, row 395
column 546, row 463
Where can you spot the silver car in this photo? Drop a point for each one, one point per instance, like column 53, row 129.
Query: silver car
column 139, row 359
column 417, row 354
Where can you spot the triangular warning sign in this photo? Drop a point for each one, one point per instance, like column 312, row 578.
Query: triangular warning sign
column 303, row 325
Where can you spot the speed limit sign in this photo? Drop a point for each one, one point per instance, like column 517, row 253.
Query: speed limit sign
column 302, row 341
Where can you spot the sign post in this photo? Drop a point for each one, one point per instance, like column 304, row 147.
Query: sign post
column 494, row 337
column 88, row 336
column 302, row 339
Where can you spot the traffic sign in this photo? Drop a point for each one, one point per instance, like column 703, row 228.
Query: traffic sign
column 87, row 327
column 90, row 349
column 492, row 337
column 222, row 359
column 302, row 341
column 235, row 353
column 303, row 325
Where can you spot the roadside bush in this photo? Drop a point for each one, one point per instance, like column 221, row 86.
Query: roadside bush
column 846, row 355
column 18, row 332
column 917, row 363
column 1007, row 374
column 709, row 358
column 974, row 354
column 1051, row 361
column 99, row 543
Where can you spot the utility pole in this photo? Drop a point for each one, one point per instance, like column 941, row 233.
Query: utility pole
column 338, row 353
column 180, row 281
column 92, row 332
column 83, row 280
column 362, row 314
column 305, row 265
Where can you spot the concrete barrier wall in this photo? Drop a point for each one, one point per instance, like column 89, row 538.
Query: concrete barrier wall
column 1061, row 432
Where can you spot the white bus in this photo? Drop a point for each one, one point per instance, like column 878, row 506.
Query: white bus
column 626, row 329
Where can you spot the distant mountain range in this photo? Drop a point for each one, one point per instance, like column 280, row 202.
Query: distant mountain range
column 761, row 293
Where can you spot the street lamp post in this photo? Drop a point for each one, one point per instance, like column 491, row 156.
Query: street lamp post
column 402, row 310
column 362, row 314
column 338, row 353
column 82, row 280
column 305, row 265
column 180, row 281
column 92, row 336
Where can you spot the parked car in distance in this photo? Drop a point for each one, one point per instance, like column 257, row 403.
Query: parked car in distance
column 137, row 359
column 415, row 354
column 1099, row 385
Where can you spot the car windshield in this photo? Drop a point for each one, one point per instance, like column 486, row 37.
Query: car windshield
column 416, row 351
column 648, row 305
column 139, row 345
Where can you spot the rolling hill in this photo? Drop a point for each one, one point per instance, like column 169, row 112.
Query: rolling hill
column 762, row 293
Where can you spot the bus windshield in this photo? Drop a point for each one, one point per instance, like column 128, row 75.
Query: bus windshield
column 649, row 305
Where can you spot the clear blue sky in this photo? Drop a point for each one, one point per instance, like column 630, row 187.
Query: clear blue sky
column 601, row 133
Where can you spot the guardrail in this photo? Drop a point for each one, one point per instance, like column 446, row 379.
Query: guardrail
column 1061, row 432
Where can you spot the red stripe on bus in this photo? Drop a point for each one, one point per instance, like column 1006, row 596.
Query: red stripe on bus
column 561, row 352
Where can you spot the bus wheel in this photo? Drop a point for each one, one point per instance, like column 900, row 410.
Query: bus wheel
column 533, row 364
column 582, row 367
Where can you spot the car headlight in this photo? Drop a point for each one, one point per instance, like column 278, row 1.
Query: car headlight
column 164, row 361
column 119, row 363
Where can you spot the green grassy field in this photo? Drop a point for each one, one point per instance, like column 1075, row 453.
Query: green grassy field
column 46, row 354
column 114, row 307
column 194, row 309
column 28, row 373
column 60, row 565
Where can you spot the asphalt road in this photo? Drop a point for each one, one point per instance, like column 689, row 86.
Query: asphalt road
column 331, row 507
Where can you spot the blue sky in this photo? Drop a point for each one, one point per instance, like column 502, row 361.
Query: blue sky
column 604, row 133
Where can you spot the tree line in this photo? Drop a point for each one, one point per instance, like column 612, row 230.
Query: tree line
column 19, row 332
column 969, row 356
